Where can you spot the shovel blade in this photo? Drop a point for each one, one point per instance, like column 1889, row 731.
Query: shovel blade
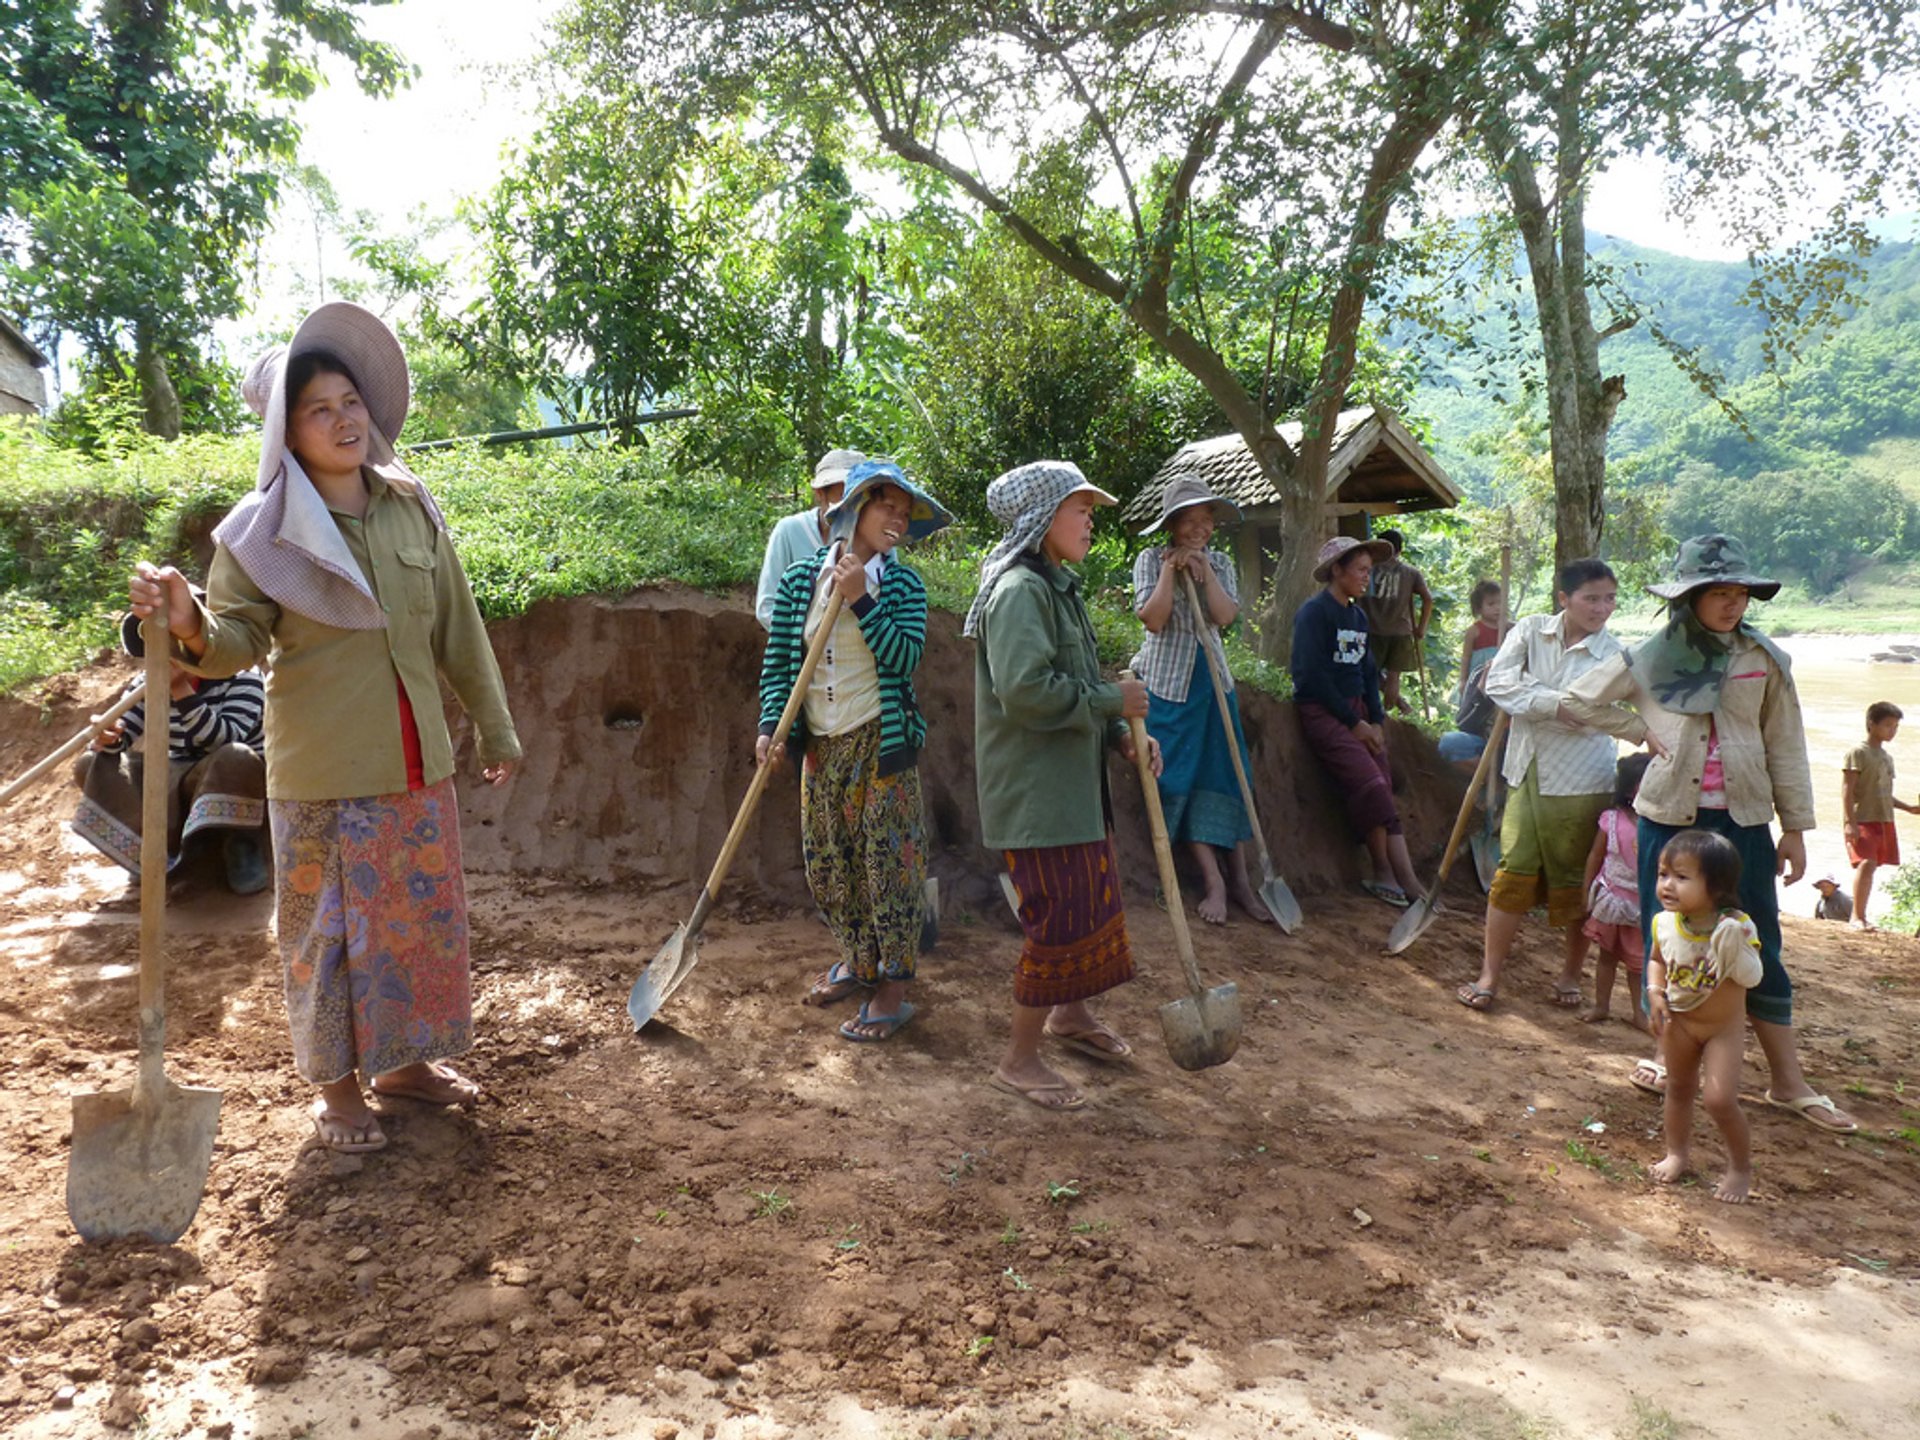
column 1411, row 925
column 1280, row 903
column 1204, row 1030
column 673, row 963
column 1486, row 858
column 139, row 1167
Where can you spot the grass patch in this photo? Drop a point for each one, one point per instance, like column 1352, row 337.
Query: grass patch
column 1487, row 1419
column 1651, row 1422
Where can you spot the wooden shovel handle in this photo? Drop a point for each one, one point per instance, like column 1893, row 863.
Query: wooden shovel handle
column 1226, row 724
column 1163, row 852
column 1480, row 773
column 156, row 781
column 762, row 773
column 77, row 743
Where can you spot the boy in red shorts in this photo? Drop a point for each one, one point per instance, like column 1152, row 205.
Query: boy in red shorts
column 1867, row 803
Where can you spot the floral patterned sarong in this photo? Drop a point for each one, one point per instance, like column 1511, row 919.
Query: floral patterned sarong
column 372, row 913
column 861, row 837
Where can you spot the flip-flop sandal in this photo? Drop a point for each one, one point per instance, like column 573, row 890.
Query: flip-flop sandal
column 891, row 1024
column 375, row 1137
column 1650, row 1076
column 1806, row 1106
column 1474, row 997
column 466, row 1092
column 1391, row 894
column 835, row 984
column 1071, row 1099
column 1086, row 1043
column 1567, row 997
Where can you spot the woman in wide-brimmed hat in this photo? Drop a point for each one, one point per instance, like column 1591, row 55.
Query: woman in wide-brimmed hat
column 1336, row 693
column 339, row 568
column 1714, row 699
column 1044, row 719
column 860, row 732
column 1198, row 787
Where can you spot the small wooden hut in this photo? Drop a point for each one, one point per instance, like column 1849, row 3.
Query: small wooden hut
column 1376, row 468
column 23, row 385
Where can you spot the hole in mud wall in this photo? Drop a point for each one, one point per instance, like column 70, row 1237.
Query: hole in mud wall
column 625, row 717
column 946, row 821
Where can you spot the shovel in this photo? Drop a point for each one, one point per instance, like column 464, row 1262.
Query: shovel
column 680, row 953
column 93, row 727
column 1274, row 893
column 1420, row 915
column 1203, row 1029
column 140, row 1156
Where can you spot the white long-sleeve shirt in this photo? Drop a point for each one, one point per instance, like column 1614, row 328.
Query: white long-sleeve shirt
column 1528, row 679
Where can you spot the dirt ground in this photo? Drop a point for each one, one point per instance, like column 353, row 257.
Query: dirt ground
column 1386, row 1217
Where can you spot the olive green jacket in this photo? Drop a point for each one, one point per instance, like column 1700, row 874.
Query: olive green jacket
column 333, row 709
column 1042, row 715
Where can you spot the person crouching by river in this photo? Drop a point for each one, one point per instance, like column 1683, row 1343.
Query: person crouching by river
column 1043, row 722
column 1198, row 789
column 1336, row 691
column 1561, row 777
column 218, row 778
column 339, row 568
column 861, row 731
column 1714, row 700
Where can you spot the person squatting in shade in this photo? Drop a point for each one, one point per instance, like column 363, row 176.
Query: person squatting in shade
column 1714, row 700
column 339, row 567
column 1336, row 689
column 1867, row 803
column 1198, row 788
column 1704, row 960
column 217, row 776
column 1043, row 722
column 860, row 732
column 1560, row 774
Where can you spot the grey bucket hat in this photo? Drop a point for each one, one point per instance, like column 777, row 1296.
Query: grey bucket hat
column 834, row 467
column 1707, row 560
column 1339, row 545
column 1183, row 492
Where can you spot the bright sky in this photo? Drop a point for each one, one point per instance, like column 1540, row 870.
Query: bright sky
column 443, row 139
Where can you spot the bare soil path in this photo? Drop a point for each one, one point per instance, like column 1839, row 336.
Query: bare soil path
column 1386, row 1217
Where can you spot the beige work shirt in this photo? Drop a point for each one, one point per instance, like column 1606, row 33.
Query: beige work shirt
column 1763, row 746
column 333, row 710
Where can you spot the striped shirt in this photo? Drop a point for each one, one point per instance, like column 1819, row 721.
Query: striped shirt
column 893, row 622
column 1167, row 658
column 220, row 712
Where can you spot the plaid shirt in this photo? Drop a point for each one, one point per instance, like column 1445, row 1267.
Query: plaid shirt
column 1166, row 659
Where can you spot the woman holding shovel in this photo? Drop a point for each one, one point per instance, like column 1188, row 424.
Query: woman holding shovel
column 860, row 732
column 1043, row 722
column 1198, row 788
column 339, row 568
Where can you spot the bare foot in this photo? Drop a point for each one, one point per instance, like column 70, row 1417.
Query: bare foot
column 1251, row 903
column 1598, row 1015
column 1734, row 1187
column 1213, row 907
column 1669, row 1170
column 1858, row 924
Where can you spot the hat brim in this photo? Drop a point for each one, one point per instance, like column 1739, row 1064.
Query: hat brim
column 1223, row 511
column 1379, row 549
column 925, row 514
column 361, row 341
column 1762, row 589
column 1087, row 487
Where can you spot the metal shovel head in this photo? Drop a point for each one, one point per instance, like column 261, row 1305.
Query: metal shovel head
column 670, row 966
column 1280, row 903
column 1202, row 1030
column 1411, row 925
column 1486, row 858
column 139, row 1167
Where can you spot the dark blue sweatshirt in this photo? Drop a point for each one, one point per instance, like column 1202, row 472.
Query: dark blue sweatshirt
column 1331, row 664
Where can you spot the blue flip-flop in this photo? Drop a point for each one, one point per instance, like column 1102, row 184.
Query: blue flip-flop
column 892, row 1023
column 836, row 985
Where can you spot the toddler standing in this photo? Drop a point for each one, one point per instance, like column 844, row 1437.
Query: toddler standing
column 1706, row 956
column 1613, row 895
column 1867, row 803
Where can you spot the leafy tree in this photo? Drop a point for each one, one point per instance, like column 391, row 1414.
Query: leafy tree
column 141, row 141
column 1754, row 107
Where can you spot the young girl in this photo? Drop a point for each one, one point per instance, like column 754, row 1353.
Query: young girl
column 1705, row 957
column 1613, row 895
column 1043, row 722
column 861, row 732
column 1199, row 790
column 1482, row 639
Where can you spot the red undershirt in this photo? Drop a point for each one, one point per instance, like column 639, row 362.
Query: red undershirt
column 410, row 741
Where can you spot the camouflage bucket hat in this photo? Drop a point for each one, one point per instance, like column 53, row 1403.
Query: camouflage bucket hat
column 1713, row 560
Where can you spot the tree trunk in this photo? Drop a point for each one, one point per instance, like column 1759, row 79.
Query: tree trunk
column 159, row 402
